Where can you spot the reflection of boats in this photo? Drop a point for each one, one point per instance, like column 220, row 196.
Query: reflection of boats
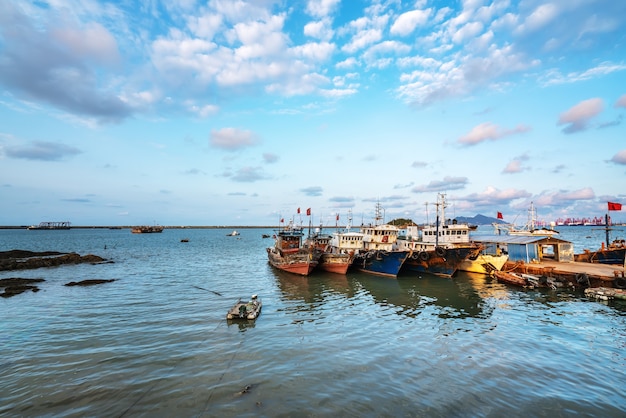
column 146, row 229
column 612, row 253
column 530, row 229
column 50, row 226
column 449, row 298
column 233, row 234
column 287, row 253
column 440, row 248
column 378, row 255
column 245, row 310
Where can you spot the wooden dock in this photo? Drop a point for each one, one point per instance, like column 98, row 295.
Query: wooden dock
column 576, row 274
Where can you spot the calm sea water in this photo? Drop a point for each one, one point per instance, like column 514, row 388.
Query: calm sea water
column 152, row 343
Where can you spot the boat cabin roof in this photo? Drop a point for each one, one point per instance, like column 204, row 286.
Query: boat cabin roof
column 517, row 239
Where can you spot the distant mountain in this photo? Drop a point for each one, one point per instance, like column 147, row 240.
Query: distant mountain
column 479, row 220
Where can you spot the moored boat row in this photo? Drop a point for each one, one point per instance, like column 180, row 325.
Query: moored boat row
column 378, row 248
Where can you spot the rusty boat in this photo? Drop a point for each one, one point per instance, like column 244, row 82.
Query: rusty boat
column 289, row 255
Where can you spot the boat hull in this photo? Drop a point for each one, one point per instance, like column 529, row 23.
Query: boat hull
column 483, row 263
column 245, row 310
column 335, row 263
column 300, row 263
column 438, row 262
column 608, row 256
column 381, row 263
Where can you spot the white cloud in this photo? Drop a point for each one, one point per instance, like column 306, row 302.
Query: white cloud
column 620, row 157
column 407, row 22
column 489, row 131
column 577, row 118
column 232, row 139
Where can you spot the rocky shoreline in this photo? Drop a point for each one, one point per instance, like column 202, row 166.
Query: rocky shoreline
column 24, row 260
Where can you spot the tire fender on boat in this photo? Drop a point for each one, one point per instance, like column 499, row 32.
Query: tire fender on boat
column 440, row 251
column 424, row 256
column 582, row 279
column 620, row 283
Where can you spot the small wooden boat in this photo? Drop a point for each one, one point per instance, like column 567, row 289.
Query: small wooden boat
column 245, row 310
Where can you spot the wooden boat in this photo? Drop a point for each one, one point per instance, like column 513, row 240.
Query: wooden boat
column 605, row 293
column 526, row 280
column 614, row 252
column 246, row 310
column 147, row 229
column 288, row 254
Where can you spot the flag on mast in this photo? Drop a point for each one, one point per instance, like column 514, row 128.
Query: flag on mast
column 615, row 206
column 500, row 215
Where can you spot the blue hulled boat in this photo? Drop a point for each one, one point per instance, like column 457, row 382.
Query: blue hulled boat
column 378, row 255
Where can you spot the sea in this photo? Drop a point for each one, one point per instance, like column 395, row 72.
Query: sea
column 155, row 342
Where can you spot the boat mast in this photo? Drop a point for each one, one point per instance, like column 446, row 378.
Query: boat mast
column 606, row 229
column 377, row 217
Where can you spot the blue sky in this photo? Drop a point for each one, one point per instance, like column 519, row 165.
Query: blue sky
column 233, row 112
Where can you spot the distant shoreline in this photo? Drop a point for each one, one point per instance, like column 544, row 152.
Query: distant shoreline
column 166, row 227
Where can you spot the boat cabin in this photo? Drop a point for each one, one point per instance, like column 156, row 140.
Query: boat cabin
column 526, row 248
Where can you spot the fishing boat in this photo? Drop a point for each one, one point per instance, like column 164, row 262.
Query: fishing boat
column 330, row 259
column 614, row 252
column 378, row 255
column 147, row 229
column 233, row 234
column 289, row 255
column 483, row 263
column 531, row 228
column 439, row 248
column 246, row 310
column 338, row 249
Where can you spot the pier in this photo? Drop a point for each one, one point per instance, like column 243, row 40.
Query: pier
column 577, row 274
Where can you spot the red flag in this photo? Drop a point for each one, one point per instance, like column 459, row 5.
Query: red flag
column 298, row 210
column 615, row 206
column 337, row 217
column 282, row 220
column 500, row 215
column 308, row 212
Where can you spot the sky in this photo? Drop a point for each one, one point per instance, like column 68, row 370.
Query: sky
column 239, row 112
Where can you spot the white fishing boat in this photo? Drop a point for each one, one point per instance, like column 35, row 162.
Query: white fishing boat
column 532, row 227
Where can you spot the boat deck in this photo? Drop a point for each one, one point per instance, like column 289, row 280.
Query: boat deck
column 598, row 275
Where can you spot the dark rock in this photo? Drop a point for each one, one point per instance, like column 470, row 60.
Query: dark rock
column 22, row 260
column 17, row 289
column 17, row 281
column 89, row 282
column 4, row 255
